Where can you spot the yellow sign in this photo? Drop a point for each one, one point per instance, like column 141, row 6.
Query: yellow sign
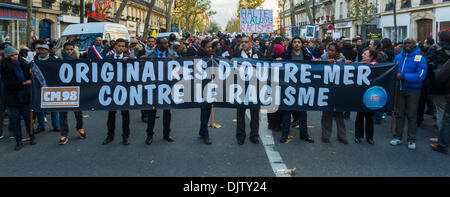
column 154, row 33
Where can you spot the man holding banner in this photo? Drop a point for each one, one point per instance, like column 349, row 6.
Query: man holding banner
column 160, row 51
column 247, row 52
column 118, row 53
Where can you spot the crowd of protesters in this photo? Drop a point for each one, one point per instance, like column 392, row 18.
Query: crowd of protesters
column 423, row 83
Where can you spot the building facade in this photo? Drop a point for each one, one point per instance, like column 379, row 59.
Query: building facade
column 133, row 16
column 418, row 19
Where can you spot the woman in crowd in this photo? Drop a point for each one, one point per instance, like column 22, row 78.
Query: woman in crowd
column 333, row 55
column 369, row 56
column 16, row 77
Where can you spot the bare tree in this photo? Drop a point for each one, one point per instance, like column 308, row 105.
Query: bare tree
column 395, row 21
column 29, row 22
column 169, row 17
column 292, row 13
column 308, row 12
column 120, row 10
column 147, row 18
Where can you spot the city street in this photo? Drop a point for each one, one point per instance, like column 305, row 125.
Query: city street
column 188, row 156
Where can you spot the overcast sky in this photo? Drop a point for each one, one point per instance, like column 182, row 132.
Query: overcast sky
column 226, row 8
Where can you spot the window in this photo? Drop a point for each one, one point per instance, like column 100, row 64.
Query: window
column 341, row 9
column 348, row 8
column 425, row 2
column 406, row 3
column 402, row 33
column 376, row 6
column 389, row 6
column 46, row 4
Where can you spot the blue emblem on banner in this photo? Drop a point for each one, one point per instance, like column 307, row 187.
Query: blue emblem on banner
column 375, row 98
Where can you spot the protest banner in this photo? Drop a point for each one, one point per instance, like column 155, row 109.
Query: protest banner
column 256, row 21
column 83, row 85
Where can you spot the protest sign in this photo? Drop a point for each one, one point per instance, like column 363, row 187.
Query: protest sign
column 256, row 21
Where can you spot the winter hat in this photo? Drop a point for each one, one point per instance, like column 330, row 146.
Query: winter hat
column 10, row 51
column 43, row 46
column 278, row 49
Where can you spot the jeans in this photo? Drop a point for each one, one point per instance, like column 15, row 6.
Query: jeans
column 439, row 102
column 15, row 114
column 204, row 119
column 299, row 115
column 41, row 119
column 65, row 124
column 125, row 123
column 444, row 132
column 151, row 122
column 407, row 104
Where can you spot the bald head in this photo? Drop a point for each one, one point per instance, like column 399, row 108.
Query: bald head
column 410, row 44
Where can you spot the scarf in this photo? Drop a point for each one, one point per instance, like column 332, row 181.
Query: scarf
column 44, row 58
column 68, row 57
column 148, row 49
column 21, row 78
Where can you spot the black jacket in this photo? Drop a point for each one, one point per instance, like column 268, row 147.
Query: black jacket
column 12, row 86
column 347, row 51
column 437, row 55
column 51, row 57
column 443, row 77
column 287, row 55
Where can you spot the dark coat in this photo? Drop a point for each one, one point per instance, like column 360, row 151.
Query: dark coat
column 437, row 55
column 443, row 77
column 92, row 56
column 192, row 52
column 254, row 51
column 12, row 86
column 347, row 51
column 287, row 55
column 110, row 56
column 51, row 57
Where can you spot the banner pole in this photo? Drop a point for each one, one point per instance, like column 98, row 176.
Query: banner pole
column 31, row 107
column 212, row 118
column 395, row 105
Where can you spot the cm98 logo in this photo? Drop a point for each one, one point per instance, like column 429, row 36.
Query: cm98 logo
column 60, row 97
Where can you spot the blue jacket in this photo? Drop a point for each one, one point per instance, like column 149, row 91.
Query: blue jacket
column 413, row 68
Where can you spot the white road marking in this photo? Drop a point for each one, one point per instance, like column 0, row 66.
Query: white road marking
column 278, row 166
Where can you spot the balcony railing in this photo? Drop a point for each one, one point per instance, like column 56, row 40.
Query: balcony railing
column 426, row 2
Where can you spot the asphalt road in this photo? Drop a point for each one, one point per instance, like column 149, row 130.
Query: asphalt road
column 188, row 156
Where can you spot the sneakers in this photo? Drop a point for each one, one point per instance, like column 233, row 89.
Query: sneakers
column 63, row 140
column 395, row 142
column 412, row 145
column 82, row 133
